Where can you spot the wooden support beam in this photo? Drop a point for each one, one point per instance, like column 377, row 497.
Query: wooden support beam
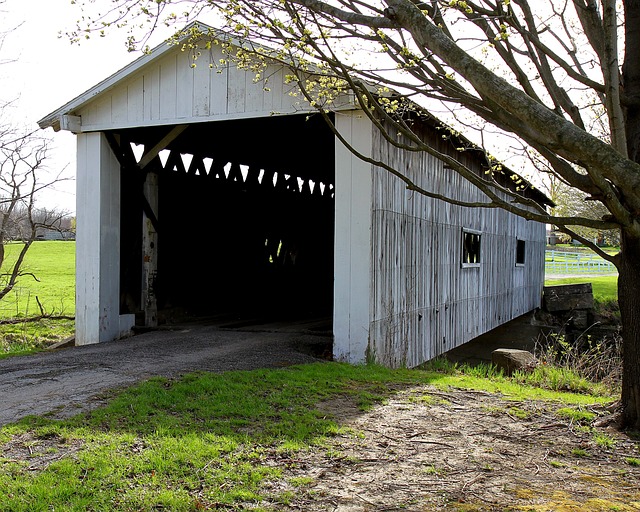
column 150, row 251
column 148, row 156
column 124, row 159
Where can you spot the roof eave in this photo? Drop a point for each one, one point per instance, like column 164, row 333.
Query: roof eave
column 54, row 119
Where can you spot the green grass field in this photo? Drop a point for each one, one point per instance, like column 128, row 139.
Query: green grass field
column 52, row 264
column 605, row 288
column 222, row 441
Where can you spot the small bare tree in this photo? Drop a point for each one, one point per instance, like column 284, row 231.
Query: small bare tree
column 22, row 162
column 23, row 176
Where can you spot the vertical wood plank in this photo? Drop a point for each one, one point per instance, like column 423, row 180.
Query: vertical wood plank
column 424, row 303
column 150, row 252
column 98, row 242
column 237, row 90
column 201, row 89
column 168, row 88
column 184, row 85
column 352, row 253
column 135, row 101
column 152, row 94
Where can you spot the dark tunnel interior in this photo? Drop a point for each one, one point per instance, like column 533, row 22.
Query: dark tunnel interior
column 245, row 219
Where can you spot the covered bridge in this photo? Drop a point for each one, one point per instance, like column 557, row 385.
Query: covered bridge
column 203, row 191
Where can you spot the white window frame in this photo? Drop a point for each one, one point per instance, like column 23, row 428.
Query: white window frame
column 524, row 252
column 475, row 264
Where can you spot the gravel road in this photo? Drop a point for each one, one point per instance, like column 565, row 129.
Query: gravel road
column 67, row 381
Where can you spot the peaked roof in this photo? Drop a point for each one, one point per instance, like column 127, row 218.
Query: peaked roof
column 55, row 119
column 61, row 119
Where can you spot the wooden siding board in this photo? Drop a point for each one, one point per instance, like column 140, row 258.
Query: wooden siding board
column 87, row 246
column 135, row 101
column 237, row 90
column 254, row 93
column 168, row 89
column 202, row 89
column 273, row 83
column 455, row 304
column 184, row 85
column 152, row 94
column 103, row 109
column 219, row 98
column 352, row 253
column 120, row 105
column 98, row 245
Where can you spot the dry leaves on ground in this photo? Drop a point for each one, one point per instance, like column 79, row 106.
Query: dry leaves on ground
column 426, row 449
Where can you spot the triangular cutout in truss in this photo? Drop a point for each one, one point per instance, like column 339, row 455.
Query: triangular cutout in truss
column 138, row 151
column 208, row 163
column 164, row 156
column 186, row 160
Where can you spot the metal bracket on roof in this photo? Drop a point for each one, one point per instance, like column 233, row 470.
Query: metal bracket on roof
column 71, row 123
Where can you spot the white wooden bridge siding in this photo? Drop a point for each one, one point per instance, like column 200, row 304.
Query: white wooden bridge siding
column 98, row 317
column 169, row 90
column 423, row 302
column 400, row 295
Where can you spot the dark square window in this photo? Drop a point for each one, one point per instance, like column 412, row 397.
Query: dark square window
column 471, row 248
column 520, row 252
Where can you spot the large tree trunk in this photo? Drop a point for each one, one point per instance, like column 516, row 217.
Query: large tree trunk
column 629, row 300
column 629, row 264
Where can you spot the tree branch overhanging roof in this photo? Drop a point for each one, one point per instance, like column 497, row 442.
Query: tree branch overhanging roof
column 63, row 117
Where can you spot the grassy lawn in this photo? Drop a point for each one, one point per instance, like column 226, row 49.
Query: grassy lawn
column 52, row 264
column 605, row 288
column 582, row 248
column 214, row 441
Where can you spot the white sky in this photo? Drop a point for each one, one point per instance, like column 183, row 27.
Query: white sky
column 46, row 72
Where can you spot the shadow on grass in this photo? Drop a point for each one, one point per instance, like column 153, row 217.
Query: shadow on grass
column 204, row 441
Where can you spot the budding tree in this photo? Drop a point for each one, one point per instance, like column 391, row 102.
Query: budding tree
column 549, row 74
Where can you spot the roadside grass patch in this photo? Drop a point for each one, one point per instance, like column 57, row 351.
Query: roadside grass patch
column 603, row 440
column 580, row 452
column 205, row 441
column 52, row 265
column 542, row 383
column 53, row 289
column 605, row 288
column 576, row 415
column 23, row 338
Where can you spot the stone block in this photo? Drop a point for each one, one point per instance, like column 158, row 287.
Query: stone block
column 567, row 297
column 510, row 360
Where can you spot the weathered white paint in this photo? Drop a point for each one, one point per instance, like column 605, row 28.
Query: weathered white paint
column 352, row 253
column 424, row 302
column 98, row 243
column 401, row 296
column 170, row 91
column 168, row 87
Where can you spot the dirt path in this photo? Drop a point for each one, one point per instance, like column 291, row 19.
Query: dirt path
column 424, row 449
column 67, row 381
column 459, row 450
